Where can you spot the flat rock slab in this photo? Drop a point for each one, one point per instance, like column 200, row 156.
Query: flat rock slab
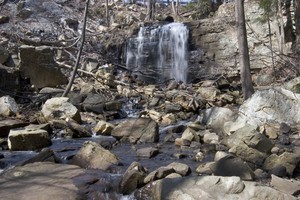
column 6, row 125
column 40, row 181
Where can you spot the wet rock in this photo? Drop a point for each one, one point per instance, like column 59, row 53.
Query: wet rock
column 291, row 187
column 8, row 106
column 28, row 139
column 137, row 130
column 44, row 180
column 232, row 166
column 38, row 64
column 214, row 187
column 4, row 54
column 45, row 155
column 288, row 160
column 159, row 173
column 168, row 119
column 190, row 135
column 260, row 174
column 180, row 168
column 77, row 129
column 8, row 124
column 133, row 178
column 182, row 142
column 93, row 156
column 215, row 117
column 60, row 108
column 45, row 127
column 284, row 128
column 103, row 128
column 172, row 85
column 147, row 152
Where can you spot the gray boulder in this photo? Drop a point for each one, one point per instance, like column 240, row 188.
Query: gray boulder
column 8, row 106
column 103, row 128
column 93, row 156
column 28, row 139
column 291, row 187
column 232, row 166
column 40, row 180
column 60, row 108
column 133, row 178
column 287, row 160
column 271, row 105
column 137, row 130
column 214, row 187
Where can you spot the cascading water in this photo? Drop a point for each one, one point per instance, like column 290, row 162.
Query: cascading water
column 159, row 53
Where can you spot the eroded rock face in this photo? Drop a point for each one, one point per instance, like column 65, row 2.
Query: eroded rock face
column 37, row 63
column 137, row 130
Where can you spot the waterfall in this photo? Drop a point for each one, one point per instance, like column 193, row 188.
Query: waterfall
column 160, row 52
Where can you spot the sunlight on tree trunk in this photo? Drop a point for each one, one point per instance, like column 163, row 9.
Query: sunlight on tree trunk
column 69, row 86
column 107, row 13
column 246, row 80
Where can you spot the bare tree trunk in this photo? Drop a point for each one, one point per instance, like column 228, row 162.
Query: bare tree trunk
column 68, row 88
column 107, row 13
column 271, row 47
column 173, row 7
column 177, row 7
column 246, row 80
column 150, row 9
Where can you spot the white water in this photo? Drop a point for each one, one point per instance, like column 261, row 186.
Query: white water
column 165, row 48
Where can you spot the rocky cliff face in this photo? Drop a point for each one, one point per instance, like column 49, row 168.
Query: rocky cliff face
column 217, row 39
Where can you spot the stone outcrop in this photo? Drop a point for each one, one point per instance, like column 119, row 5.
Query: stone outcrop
column 37, row 64
column 8, row 124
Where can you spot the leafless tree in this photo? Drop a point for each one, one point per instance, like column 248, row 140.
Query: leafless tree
column 246, row 80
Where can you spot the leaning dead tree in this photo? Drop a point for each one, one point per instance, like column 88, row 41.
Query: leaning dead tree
column 69, row 86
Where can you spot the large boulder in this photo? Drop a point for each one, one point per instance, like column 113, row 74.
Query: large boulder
column 232, row 166
column 271, row 105
column 133, row 178
column 8, row 106
column 93, row 156
column 137, row 130
column 288, row 160
column 28, row 139
column 214, row 187
column 38, row 64
column 9, row 80
column 60, row 108
column 40, row 180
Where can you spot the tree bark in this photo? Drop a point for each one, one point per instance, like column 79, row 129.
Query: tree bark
column 107, row 13
column 246, row 80
column 68, row 88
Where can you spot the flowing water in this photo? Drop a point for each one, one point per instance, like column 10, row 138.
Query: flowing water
column 159, row 53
